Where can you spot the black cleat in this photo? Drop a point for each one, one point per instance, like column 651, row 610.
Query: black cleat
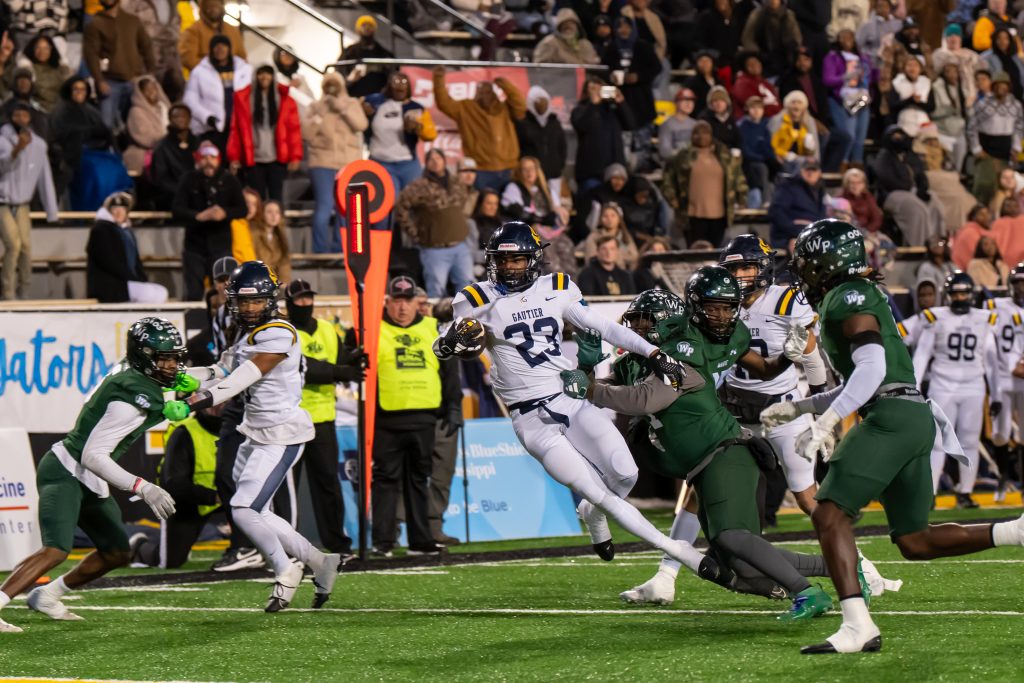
column 605, row 550
column 873, row 645
column 319, row 600
column 275, row 605
column 710, row 570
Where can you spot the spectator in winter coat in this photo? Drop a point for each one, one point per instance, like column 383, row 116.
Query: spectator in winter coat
column 879, row 26
column 486, row 218
column 647, row 24
column 965, row 240
column 208, row 199
column 634, row 65
column 849, row 75
column 995, row 130
column 794, row 132
column 602, row 276
column 114, row 270
column 24, row 172
column 162, row 22
column 117, row 50
column 396, row 125
column 772, row 30
column 750, row 83
column 1004, row 57
column 211, row 88
column 195, row 43
column 704, row 183
column 147, row 122
column 429, row 213
column 944, row 184
column 75, row 125
column 540, row 135
column 719, row 116
column 968, row 61
column 902, row 186
column 906, row 44
column 799, row 200
column 719, row 27
column 599, row 123
column 910, row 100
column 990, row 20
column 173, row 157
column 486, row 126
column 23, row 91
column 645, row 212
column 568, row 44
column 286, row 72
column 951, row 109
column 759, row 161
column 987, row 268
column 527, row 197
column 613, row 189
column 333, row 132
column 862, row 202
column 49, row 73
column 266, row 136
column 931, row 15
column 802, row 77
column 675, row 131
column 270, row 240
column 705, row 78
column 651, row 274
column 612, row 224
column 366, row 79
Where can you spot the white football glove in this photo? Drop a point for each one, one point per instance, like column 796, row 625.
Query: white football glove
column 797, row 337
column 779, row 414
column 819, row 438
column 159, row 501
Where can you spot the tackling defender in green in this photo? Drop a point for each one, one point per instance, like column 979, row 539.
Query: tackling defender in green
column 886, row 456
column 696, row 438
column 75, row 475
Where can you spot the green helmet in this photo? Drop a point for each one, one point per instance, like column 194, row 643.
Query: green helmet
column 826, row 253
column 650, row 314
column 714, row 285
column 151, row 340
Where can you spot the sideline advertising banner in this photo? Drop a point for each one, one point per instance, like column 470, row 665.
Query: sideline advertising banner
column 510, row 494
column 19, row 499
column 50, row 362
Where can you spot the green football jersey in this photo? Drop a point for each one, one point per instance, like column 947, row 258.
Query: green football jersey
column 697, row 421
column 863, row 296
column 128, row 386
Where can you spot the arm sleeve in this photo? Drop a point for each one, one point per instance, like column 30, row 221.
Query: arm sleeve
column 814, row 367
column 613, row 333
column 649, row 397
column 119, row 420
column 923, row 352
column 867, row 376
column 243, row 377
column 177, row 473
column 993, row 366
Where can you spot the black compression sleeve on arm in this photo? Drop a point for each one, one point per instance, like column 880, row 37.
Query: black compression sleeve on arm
column 866, row 337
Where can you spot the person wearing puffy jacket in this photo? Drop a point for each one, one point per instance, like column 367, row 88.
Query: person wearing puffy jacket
column 333, row 133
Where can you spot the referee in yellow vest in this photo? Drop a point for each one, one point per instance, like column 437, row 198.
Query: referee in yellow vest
column 414, row 392
column 327, row 363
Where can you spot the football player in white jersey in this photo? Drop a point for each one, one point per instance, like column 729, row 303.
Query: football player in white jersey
column 266, row 366
column 959, row 343
column 522, row 315
column 1010, row 340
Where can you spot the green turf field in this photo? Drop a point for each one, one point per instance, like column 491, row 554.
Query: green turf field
column 534, row 619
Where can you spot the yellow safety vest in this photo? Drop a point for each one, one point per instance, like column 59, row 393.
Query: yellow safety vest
column 407, row 369
column 204, row 444
column 318, row 399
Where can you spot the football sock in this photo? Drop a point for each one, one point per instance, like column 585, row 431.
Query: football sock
column 630, row 519
column 264, row 537
column 807, row 565
column 4, row 599
column 685, row 527
column 294, row 543
column 58, row 587
column 763, row 556
column 1006, row 533
column 855, row 611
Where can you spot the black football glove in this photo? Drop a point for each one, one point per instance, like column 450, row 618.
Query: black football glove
column 451, row 422
column 667, row 369
column 349, row 373
column 465, row 335
column 994, row 408
column 354, row 356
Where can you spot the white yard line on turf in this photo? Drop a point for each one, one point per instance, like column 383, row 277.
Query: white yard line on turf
column 82, row 680
column 499, row 611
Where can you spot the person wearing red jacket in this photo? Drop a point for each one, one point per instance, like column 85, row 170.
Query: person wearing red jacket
column 751, row 82
column 266, row 137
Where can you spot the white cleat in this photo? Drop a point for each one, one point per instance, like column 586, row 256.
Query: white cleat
column 324, row 579
column 597, row 526
column 658, row 590
column 41, row 600
column 877, row 583
column 284, row 589
column 848, row 640
column 9, row 628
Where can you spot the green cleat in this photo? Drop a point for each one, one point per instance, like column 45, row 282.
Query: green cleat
column 809, row 603
column 865, row 588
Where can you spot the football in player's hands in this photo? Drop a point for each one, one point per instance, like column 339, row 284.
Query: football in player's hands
column 465, row 338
